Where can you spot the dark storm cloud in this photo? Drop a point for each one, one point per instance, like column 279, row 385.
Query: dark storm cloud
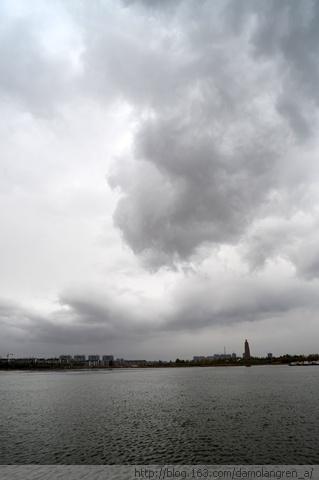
column 205, row 303
column 191, row 193
column 306, row 258
column 16, row 323
column 288, row 32
column 225, row 107
column 197, row 303
column 79, row 320
column 75, row 325
column 85, row 318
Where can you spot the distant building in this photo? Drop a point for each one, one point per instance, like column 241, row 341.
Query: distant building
column 215, row 357
column 107, row 360
column 269, row 356
column 94, row 360
column 221, row 356
column 247, row 351
column 198, row 358
column 79, row 358
column 65, row 358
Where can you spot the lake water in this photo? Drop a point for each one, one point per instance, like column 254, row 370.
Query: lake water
column 258, row 415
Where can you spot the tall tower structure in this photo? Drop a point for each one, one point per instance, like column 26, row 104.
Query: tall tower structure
column 247, row 351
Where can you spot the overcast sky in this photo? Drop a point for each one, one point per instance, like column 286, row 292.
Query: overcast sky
column 159, row 177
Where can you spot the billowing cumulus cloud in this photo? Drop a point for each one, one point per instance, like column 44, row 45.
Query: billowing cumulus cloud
column 217, row 142
column 159, row 173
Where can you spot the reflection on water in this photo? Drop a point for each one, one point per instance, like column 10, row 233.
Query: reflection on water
column 237, row 415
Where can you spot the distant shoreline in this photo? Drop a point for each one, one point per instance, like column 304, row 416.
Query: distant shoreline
column 56, row 364
column 140, row 367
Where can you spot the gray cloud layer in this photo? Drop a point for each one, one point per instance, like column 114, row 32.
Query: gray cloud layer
column 223, row 107
column 226, row 109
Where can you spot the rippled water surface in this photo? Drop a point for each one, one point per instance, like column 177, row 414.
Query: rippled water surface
column 237, row 415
